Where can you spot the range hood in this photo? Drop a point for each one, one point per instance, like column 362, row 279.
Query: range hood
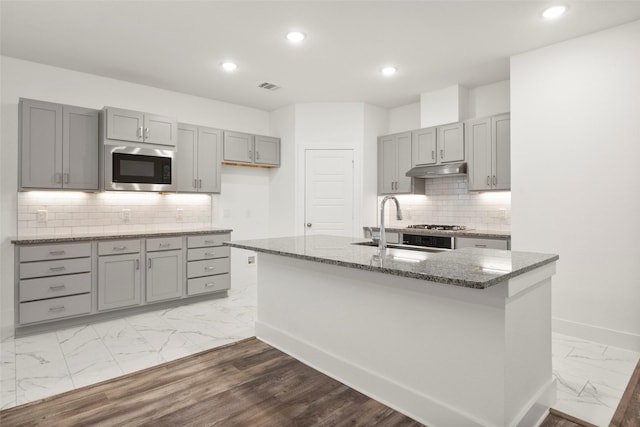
column 438, row 171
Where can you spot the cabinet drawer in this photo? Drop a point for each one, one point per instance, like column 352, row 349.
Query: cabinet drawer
column 207, row 267
column 164, row 244
column 58, row 286
column 203, row 285
column 465, row 242
column 54, row 308
column 50, row 252
column 207, row 240
column 114, row 247
column 54, row 268
column 208, row 253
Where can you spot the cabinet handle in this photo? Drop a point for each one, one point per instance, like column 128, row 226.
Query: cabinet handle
column 433, row 154
column 257, row 155
column 209, row 268
column 56, row 309
column 250, row 154
column 195, row 183
column 495, row 180
column 208, row 285
column 57, row 178
column 481, row 246
column 57, row 252
column 209, row 242
column 57, row 268
column 165, row 245
column 66, row 177
column 442, row 153
column 199, row 183
column 488, row 180
column 139, row 134
column 149, row 264
column 57, row 287
column 137, row 264
column 209, row 254
column 119, row 248
column 146, row 132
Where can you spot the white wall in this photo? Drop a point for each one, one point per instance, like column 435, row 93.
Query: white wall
column 375, row 123
column 404, row 118
column 30, row 80
column 446, row 105
column 489, row 100
column 575, row 153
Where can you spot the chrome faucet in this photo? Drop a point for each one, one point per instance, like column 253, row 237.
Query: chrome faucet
column 382, row 245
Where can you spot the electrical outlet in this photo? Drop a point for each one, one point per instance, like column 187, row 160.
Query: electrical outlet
column 42, row 215
column 251, row 260
column 502, row 213
column 179, row 214
column 126, row 215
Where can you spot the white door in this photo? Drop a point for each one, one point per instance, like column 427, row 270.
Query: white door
column 329, row 192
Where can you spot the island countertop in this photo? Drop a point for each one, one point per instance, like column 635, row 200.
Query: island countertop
column 468, row 267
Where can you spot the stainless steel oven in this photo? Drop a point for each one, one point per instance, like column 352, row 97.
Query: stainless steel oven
column 129, row 168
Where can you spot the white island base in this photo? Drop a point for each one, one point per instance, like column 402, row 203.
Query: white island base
column 444, row 355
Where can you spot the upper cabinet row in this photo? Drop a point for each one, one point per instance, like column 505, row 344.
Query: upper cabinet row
column 483, row 143
column 59, row 146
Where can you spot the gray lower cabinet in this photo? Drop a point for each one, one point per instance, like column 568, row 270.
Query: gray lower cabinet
column 135, row 126
column 489, row 153
column 58, row 146
column 53, row 282
column 199, row 158
column 164, row 269
column 118, row 275
column 476, row 242
column 208, row 266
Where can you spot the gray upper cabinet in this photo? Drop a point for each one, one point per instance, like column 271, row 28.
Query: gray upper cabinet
column 451, row 143
column 238, row 147
column 489, row 153
column 394, row 160
column 424, row 146
column 251, row 149
column 267, row 150
column 128, row 125
column 199, row 157
column 58, row 146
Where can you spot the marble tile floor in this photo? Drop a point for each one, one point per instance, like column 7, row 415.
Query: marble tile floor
column 591, row 377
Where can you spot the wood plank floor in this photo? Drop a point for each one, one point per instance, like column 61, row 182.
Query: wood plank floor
column 248, row 383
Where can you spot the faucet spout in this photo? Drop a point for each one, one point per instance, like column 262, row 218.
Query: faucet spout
column 382, row 245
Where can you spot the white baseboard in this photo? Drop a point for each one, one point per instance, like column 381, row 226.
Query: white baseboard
column 606, row 336
column 412, row 403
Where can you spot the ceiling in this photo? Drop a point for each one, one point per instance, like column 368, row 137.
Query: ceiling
column 179, row 45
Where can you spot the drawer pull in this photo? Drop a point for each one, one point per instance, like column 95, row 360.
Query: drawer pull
column 56, row 309
column 57, row 287
column 57, row 268
column 209, row 242
column 119, row 248
column 165, row 245
column 481, row 246
column 209, row 268
column 56, row 253
column 209, row 254
column 208, row 285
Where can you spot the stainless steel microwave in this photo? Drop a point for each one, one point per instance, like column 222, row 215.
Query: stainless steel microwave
column 129, row 168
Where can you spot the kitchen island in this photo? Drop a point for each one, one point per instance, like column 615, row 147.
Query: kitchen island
column 449, row 338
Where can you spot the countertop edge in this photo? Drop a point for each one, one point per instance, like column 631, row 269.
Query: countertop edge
column 132, row 235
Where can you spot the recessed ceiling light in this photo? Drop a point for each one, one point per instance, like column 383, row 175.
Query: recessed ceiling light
column 295, row 36
column 229, row 66
column 389, row 71
column 554, row 12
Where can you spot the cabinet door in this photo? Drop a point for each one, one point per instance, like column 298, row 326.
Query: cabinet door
column 118, row 281
column 164, row 275
column 238, row 147
column 387, row 164
column 124, row 125
column 208, row 160
column 403, row 182
column 80, row 148
column 423, row 146
column 501, row 134
column 479, row 154
column 40, row 144
column 160, row 130
column 451, row 143
column 186, row 158
column 267, row 150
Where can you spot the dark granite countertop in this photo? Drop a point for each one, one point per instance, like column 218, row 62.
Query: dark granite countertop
column 481, row 234
column 467, row 267
column 30, row 240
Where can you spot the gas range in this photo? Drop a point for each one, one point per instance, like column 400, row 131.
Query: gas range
column 438, row 227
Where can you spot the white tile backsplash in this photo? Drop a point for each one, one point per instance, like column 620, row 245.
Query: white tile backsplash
column 447, row 201
column 80, row 213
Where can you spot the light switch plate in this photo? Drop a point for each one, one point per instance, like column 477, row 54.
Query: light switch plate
column 126, row 215
column 179, row 214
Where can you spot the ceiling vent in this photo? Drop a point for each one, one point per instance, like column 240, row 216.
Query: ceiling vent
column 269, row 86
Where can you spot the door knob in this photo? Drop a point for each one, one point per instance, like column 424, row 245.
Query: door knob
column 308, row 224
